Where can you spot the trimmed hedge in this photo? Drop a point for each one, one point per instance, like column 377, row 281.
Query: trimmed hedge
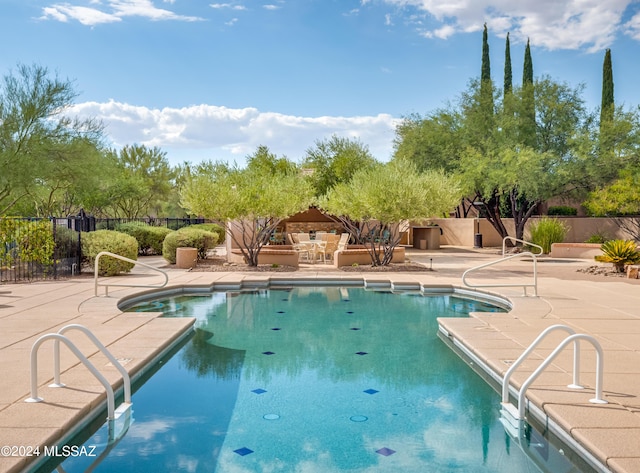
column 212, row 227
column 149, row 238
column 114, row 242
column 562, row 210
column 188, row 237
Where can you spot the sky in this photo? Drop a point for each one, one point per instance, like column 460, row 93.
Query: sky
column 203, row 80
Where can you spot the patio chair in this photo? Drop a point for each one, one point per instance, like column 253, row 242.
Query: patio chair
column 331, row 246
column 344, row 239
column 303, row 251
column 302, row 237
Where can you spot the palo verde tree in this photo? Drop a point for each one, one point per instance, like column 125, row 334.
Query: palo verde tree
column 249, row 202
column 375, row 201
column 40, row 144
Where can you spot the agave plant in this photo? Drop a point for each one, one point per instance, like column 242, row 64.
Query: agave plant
column 620, row 253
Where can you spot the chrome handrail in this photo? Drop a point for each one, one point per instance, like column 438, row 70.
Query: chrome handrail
column 506, row 258
column 123, row 258
column 528, row 243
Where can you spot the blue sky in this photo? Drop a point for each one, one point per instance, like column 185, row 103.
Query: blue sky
column 206, row 80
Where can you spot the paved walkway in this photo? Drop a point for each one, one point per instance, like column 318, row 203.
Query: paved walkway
column 607, row 308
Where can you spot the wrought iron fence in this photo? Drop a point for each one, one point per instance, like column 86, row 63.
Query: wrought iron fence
column 39, row 248
column 50, row 248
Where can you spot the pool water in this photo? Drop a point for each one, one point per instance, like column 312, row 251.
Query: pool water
column 311, row 379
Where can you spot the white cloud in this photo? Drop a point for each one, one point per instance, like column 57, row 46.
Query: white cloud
column 552, row 24
column 221, row 6
column 215, row 132
column 113, row 11
column 85, row 15
column 271, row 7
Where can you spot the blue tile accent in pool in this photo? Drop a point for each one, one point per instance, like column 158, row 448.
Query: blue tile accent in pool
column 243, row 451
column 259, row 391
column 361, row 353
column 371, row 391
column 349, row 312
column 354, row 328
column 276, row 328
column 281, row 312
column 268, row 353
column 385, row 451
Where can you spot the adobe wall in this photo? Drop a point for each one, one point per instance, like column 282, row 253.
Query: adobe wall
column 461, row 231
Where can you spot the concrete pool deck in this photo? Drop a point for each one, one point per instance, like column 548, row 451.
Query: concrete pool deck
column 606, row 308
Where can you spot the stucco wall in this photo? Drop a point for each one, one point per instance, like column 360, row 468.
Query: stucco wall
column 461, row 231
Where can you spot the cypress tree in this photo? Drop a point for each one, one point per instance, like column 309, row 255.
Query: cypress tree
column 486, row 86
column 486, row 66
column 528, row 115
column 508, row 79
column 527, row 74
column 607, row 106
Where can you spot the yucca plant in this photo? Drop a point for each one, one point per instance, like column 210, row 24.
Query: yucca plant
column 620, row 253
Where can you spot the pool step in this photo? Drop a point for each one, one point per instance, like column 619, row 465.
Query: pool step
column 510, row 419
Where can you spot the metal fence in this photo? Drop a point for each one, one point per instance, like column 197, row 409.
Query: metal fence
column 39, row 248
column 27, row 252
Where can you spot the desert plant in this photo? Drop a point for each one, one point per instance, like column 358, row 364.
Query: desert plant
column 620, row 253
column 562, row 210
column 546, row 231
column 188, row 237
column 26, row 241
column 114, row 242
column 598, row 237
column 150, row 239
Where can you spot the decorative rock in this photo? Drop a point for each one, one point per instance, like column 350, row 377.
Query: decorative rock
column 633, row 271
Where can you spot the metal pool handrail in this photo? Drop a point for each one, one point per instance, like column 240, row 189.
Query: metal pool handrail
column 59, row 337
column 506, row 258
column 534, row 344
column 572, row 338
column 104, row 350
column 106, row 285
column 85, row 361
column 528, row 243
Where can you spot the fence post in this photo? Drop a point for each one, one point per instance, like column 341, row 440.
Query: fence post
column 55, row 247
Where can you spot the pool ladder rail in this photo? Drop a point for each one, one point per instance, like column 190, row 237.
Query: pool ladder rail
column 113, row 413
column 128, row 260
column 513, row 418
column 524, row 285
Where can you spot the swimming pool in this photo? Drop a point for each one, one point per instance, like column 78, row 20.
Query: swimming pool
column 315, row 379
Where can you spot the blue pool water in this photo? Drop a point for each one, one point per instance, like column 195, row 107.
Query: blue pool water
column 312, row 380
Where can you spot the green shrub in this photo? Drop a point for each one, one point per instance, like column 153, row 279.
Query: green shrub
column 149, row 238
column 28, row 241
column 66, row 243
column 598, row 237
column 620, row 253
column 546, row 231
column 212, row 227
column 191, row 238
column 562, row 210
column 114, row 242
